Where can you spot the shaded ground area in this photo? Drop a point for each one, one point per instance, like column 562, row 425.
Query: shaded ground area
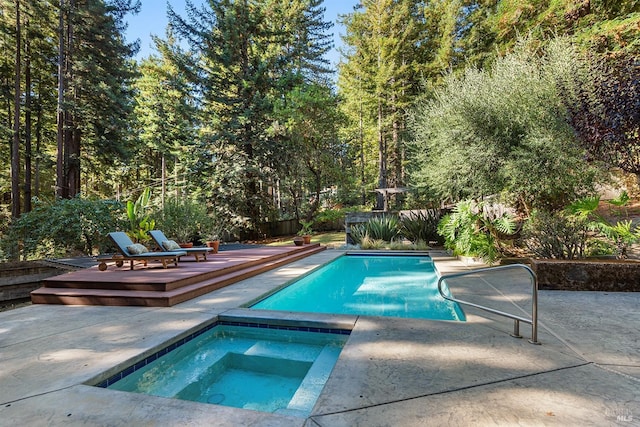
column 10, row 305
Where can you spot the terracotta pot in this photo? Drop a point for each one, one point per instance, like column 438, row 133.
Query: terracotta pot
column 306, row 239
column 298, row 241
column 215, row 244
column 186, row 245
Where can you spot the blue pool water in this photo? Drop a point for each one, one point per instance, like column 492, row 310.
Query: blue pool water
column 270, row 370
column 396, row 286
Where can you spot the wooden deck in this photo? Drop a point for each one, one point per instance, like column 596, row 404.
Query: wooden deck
column 154, row 286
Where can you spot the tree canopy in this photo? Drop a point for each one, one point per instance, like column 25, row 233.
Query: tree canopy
column 238, row 110
column 504, row 130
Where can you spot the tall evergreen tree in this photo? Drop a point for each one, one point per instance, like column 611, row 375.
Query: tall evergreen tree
column 382, row 73
column 244, row 55
column 166, row 118
column 308, row 123
column 25, row 80
column 15, row 144
column 95, row 95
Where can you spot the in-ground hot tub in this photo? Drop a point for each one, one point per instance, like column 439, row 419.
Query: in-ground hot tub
column 253, row 366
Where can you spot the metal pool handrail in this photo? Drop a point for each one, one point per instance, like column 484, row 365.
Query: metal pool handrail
column 517, row 319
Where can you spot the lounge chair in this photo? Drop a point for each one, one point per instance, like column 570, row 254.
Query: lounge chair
column 136, row 252
column 165, row 244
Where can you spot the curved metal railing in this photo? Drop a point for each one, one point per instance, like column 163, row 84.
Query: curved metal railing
column 517, row 319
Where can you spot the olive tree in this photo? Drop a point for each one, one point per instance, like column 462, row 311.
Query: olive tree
column 502, row 130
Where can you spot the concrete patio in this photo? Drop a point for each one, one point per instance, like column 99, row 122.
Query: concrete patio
column 392, row 372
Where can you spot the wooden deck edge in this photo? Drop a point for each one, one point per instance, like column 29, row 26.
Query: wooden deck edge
column 151, row 298
column 202, row 288
column 59, row 282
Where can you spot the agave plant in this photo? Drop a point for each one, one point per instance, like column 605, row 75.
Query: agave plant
column 385, row 228
column 358, row 233
column 422, row 226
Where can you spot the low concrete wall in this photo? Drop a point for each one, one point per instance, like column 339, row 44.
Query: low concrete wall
column 588, row 275
column 18, row 279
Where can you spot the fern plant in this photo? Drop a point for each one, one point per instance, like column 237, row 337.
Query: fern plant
column 622, row 233
column 469, row 230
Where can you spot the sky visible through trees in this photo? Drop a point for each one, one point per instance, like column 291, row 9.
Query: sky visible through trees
column 152, row 19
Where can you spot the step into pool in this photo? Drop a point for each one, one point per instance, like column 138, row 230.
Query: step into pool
column 259, row 367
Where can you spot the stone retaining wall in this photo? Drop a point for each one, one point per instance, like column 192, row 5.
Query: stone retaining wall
column 588, row 275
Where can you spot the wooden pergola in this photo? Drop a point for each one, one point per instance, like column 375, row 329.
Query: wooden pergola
column 388, row 191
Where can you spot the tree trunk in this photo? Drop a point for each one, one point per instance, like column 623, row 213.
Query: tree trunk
column 73, row 168
column 163, row 193
column 38, row 143
column 363, row 177
column 71, row 135
column 60, row 173
column 15, row 147
column 382, row 161
column 27, row 127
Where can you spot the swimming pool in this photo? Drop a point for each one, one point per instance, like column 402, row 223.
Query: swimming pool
column 396, row 286
column 260, row 367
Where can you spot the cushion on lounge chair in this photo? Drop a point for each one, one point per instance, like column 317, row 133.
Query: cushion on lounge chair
column 137, row 249
column 170, row 245
column 162, row 241
column 131, row 251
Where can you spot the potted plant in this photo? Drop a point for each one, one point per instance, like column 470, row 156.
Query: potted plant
column 305, row 231
column 212, row 229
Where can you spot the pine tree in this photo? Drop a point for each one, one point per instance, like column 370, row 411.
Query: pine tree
column 166, row 118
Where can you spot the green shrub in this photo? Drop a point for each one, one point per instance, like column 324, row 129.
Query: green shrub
column 422, row 226
column 182, row 219
column 600, row 247
column 329, row 219
column 63, row 228
column 503, row 129
column 622, row 234
column 473, row 229
column 556, row 235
